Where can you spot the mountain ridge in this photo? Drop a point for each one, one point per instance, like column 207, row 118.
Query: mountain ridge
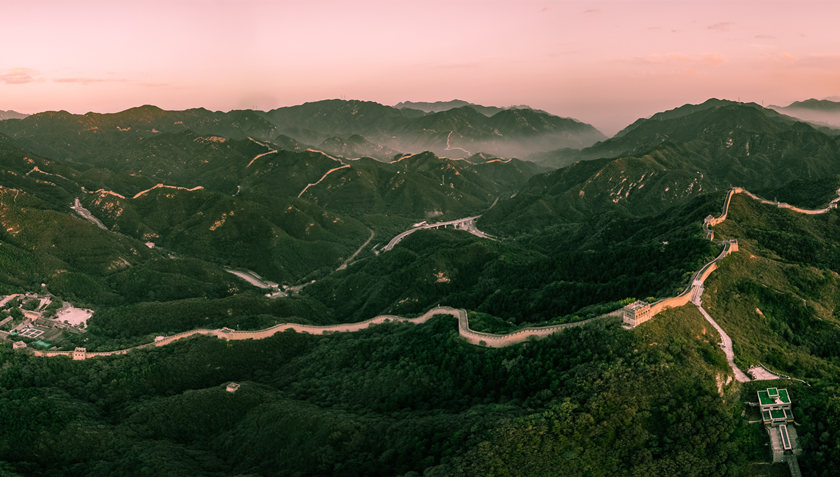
column 11, row 114
column 461, row 131
column 675, row 155
column 439, row 106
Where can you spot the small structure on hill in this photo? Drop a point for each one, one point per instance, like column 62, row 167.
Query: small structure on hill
column 775, row 406
column 637, row 313
column 18, row 345
column 232, row 387
column 79, row 354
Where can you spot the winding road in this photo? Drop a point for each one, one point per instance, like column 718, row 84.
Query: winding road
column 467, row 224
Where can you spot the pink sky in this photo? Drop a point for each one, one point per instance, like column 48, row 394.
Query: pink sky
column 603, row 62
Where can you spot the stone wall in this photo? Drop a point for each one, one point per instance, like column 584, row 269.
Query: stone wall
column 471, row 336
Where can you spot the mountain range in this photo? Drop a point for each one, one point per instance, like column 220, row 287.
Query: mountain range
column 232, row 187
column 371, row 128
column 821, row 112
column 674, row 156
column 11, row 115
column 143, row 215
column 439, row 106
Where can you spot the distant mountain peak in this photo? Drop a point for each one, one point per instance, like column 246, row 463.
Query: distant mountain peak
column 10, row 114
column 441, row 106
column 815, row 104
column 819, row 112
column 145, row 107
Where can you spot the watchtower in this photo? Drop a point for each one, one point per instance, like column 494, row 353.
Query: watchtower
column 79, row 354
column 637, row 313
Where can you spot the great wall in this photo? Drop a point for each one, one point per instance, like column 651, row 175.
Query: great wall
column 632, row 315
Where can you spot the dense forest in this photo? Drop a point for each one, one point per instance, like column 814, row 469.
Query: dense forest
column 395, row 399
column 558, row 275
column 778, row 298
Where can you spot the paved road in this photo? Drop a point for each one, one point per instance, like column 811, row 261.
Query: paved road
column 253, row 278
column 793, row 466
column 466, row 224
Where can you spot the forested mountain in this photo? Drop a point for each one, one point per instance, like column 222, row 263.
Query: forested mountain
column 511, row 133
column 438, row 106
column 454, row 131
column 165, row 204
column 779, row 296
column 11, row 115
column 672, row 157
column 368, row 128
column 356, row 146
column 818, row 111
column 276, row 208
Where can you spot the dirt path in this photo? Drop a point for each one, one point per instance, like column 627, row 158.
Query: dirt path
column 455, row 148
column 726, row 341
column 350, row 259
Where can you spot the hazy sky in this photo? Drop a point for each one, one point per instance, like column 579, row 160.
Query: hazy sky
column 603, row 62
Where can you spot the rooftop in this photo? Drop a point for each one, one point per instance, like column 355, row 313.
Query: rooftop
column 773, row 396
column 636, row 305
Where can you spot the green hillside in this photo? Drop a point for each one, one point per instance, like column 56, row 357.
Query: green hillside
column 169, row 202
column 778, row 300
column 393, row 399
column 562, row 274
column 672, row 157
column 355, row 146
